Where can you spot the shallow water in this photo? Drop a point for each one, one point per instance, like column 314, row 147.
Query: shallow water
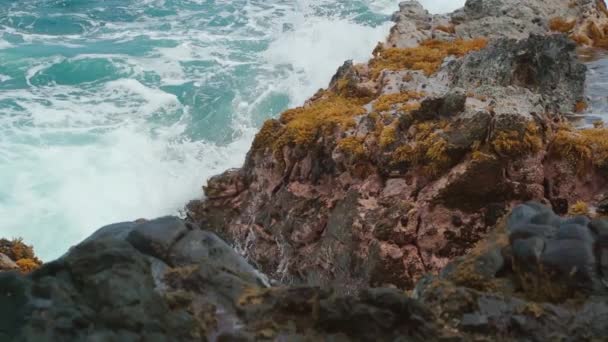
column 596, row 89
column 114, row 110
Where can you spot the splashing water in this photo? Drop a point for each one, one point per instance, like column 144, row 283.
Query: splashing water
column 114, row 110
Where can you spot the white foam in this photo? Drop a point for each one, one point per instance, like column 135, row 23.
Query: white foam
column 316, row 48
column 74, row 158
column 4, row 44
column 442, row 6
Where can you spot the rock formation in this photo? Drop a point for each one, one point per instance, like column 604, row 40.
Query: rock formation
column 16, row 255
column 406, row 162
column 387, row 208
column 166, row 280
column 536, row 276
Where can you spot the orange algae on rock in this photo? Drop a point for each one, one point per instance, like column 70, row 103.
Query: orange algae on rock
column 579, row 208
column 22, row 254
column 582, row 147
column 428, row 149
column 28, row 265
column 561, row 25
column 514, row 143
column 352, row 146
column 302, row 125
column 387, row 102
column 388, row 135
column 427, row 57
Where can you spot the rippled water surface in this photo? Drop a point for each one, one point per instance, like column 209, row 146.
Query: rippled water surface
column 596, row 89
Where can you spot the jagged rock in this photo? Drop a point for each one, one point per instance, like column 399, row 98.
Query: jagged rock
column 541, row 64
column 16, row 252
column 519, row 18
column 563, row 251
column 531, row 298
column 154, row 237
column 107, row 288
column 424, row 169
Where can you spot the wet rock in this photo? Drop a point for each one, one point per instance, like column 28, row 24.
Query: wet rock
column 157, row 236
column 528, row 250
column 570, row 231
column 204, row 247
column 563, row 255
column 119, row 231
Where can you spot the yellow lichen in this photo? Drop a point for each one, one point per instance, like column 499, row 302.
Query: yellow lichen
column 410, row 106
column 581, row 148
column 28, row 265
column 426, row 57
column 402, row 154
column 353, row 146
column 534, row 309
column 561, row 25
column 388, row 135
column 579, row 208
column 428, row 149
column 387, row 102
column 481, row 156
column 514, row 143
column 252, row 296
column 21, row 253
column 446, row 28
column 301, row 126
column 267, row 135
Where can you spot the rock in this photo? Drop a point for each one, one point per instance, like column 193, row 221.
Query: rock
column 563, row 254
column 156, row 237
column 107, row 289
column 474, row 322
column 468, row 141
column 16, row 252
column 529, row 299
column 540, row 63
column 572, row 261
column 528, row 250
column 118, row 231
column 517, row 19
column 571, row 231
column 200, row 246
column 446, row 105
column 6, row 264
column 530, row 230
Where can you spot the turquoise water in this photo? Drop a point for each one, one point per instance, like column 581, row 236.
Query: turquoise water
column 115, row 110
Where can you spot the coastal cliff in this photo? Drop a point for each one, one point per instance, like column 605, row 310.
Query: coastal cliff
column 437, row 192
column 406, row 162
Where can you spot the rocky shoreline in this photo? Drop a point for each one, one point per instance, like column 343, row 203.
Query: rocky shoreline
column 388, row 207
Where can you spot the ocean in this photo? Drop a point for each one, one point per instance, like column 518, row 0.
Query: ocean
column 121, row 109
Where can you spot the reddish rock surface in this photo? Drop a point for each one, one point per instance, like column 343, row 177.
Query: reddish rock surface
column 418, row 179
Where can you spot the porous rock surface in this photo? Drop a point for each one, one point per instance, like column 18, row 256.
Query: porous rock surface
column 165, row 280
column 406, row 174
column 191, row 286
column 536, row 277
column 406, row 187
